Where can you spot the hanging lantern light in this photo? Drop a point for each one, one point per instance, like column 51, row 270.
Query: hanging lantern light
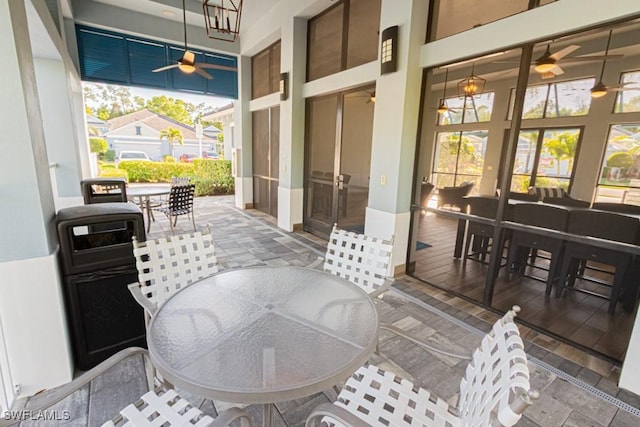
column 222, row 18
column 471, row 85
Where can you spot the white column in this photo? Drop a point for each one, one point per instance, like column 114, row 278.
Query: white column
column 242, row 143
column 395, row 128
column 35, row 347
column 293, row 48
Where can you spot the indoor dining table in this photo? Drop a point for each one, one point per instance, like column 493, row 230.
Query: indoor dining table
column 262, row 335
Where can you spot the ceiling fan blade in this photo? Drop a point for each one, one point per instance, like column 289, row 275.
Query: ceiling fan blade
column 203, row 73
column 168, row 67
column 591, row 58
column 216, row 67
column 564, row 52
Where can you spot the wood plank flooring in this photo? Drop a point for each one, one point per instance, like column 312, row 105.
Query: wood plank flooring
column 580, row 318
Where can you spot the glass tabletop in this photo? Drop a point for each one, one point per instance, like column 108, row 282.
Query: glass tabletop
column 263, row 334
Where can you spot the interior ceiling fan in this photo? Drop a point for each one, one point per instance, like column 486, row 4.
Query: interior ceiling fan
column 187, row 64
column 600, row 89
column 443, row 107
column 370, row 94
column 548, row 63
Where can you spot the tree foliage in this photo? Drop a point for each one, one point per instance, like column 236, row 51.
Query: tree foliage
column 172, row 135
column 98, row 145
column 563, row 147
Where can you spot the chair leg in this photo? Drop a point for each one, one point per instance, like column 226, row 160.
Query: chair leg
column 562, row 277
column 193, row 221
column 465, row 253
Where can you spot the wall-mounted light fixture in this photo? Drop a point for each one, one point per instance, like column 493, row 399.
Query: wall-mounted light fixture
column 284, row 86
column 389, row 50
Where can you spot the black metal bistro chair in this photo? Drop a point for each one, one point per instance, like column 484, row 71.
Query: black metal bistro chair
column 180, row 203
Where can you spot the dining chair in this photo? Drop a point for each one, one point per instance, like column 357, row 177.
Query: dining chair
column 617, row 207
column 168, row 264
column 523, row 243
column 157, row 407
column 361, row 259
column 180, row 202
column 608, row 226
column 495, row 390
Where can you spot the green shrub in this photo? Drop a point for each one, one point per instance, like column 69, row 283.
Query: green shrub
column 209, row 176
column 105, row 165
column 169, row 159
column 113, row 173
column 620, row 160
column 109, row 156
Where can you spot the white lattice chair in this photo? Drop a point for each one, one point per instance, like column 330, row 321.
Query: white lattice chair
column 494, row 391
column 361, row 259
column 167, row 265
column 157, row 407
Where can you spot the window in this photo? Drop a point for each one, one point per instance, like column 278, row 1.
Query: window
column 628, row 101
column 459, row 157
column 342, row 37
column 138, row 130
column 621, row 161
column 562, row 99
column 455, row 16
column 265, row 71
column 468, row 109
column 545, row 158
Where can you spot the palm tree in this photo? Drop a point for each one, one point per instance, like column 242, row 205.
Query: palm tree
column 172, row 135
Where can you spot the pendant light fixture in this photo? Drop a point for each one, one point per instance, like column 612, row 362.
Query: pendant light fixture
column 222, row 18
column 472, row 85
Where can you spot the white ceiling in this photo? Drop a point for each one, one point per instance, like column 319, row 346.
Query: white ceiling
column 252, row 10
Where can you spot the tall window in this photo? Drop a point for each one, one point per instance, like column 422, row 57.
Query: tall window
column 628, row 100
column 562, row 99
column 342, row 37
column 621, row 162
column 545, row 158
column 459, row 157
column 265, row 71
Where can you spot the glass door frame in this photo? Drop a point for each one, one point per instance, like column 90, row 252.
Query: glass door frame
column 310, row 224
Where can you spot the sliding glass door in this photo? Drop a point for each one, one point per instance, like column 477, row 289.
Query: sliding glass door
column 338, row 159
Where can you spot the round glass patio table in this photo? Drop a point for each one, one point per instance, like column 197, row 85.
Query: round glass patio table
column 263, row 335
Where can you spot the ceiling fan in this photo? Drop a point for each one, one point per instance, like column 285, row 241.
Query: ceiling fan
column 600, row 89
column 370, row 94
column 548, row 63
column 187, row 64
column 443, row 107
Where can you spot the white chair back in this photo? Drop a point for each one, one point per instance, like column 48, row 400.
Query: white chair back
column 168, row 264
column 361, row 259
column 497, row 379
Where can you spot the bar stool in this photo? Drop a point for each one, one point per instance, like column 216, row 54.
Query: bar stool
column 603, row 225
column 523, row 242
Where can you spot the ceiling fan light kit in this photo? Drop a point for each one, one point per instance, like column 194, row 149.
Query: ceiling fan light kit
column 222, row 19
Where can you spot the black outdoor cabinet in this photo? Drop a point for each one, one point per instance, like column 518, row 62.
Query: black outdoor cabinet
column 103, row 190
column 97, row 265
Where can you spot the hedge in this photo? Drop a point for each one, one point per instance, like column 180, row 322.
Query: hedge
column 210, row 176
